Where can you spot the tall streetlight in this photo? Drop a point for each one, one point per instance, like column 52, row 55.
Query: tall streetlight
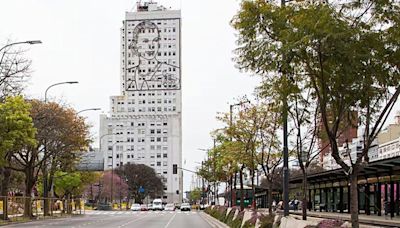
column 22, row 42
column 88, row 109
column 56, row 84
column 233, row 190
column 45, row 195
column 285, row 148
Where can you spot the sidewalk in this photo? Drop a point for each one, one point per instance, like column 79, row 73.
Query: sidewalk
column 364, row 219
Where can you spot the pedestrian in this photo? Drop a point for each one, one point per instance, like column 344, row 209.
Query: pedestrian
column 273, row 205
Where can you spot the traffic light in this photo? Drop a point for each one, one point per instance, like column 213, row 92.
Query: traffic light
column 177, row 192
column 175, row 169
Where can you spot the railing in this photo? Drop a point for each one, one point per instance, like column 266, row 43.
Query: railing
column 21, row 208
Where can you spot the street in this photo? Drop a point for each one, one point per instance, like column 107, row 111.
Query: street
column 149, row 219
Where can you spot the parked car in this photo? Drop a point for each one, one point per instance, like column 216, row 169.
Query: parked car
column 150, row 206
column 177, row 205
column 169, row 207
column 185, row 207
column 143, row 207
column 104, row 207
column 135, row 207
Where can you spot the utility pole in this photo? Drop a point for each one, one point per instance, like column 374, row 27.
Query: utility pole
column 285, row 147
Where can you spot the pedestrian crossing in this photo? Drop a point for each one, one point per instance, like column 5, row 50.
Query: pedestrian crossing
column 138, row 212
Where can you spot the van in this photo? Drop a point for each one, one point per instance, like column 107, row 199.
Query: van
column 157, row 204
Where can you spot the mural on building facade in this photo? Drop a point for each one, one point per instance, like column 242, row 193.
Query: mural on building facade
column 148, row 71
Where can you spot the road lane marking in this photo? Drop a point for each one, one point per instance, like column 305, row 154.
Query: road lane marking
column 133, row 221
column 170, row 221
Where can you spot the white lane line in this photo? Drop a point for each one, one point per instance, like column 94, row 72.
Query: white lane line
column 125, row 224
column 170, row 221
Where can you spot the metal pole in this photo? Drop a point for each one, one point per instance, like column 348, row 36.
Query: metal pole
column 44, row 171
column 285, row 150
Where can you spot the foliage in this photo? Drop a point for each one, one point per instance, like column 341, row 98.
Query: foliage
column 16, row 126
column 330, row 223
column 267, row 221
column 345, row 54
column 120, row 187
column 140, row 175
column 66, row 183
column 73, row 183
column 195, row 195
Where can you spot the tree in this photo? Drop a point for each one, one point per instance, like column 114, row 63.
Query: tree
column 16, row 132
column 140, row 176
column 14, row 71
column 62, row 133
column 346, row 53
column 270, row 156
column 195, row 195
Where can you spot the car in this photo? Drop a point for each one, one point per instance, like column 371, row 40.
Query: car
column 177, row 205
column 135, row 207
column 143, row 207
column 157, row 205
column 150, row 206
column 169, row 207
column 104, row 207
column 185, row 207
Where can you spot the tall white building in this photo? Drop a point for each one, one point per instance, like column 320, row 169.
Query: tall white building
column 145, row 122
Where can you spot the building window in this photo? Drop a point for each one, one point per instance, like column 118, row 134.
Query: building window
column 158, row 163
column 165, row 155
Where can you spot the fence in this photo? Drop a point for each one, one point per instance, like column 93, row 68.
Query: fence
column 17, row 208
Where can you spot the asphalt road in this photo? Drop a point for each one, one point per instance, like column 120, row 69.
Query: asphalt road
column 150, row 219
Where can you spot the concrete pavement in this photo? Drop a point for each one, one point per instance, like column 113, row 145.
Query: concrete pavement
column 119, row 219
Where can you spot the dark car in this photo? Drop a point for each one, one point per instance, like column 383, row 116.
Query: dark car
column 104, row 207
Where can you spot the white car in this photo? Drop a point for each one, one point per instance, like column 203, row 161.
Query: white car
column 157, row 205
column 169, row 207
column 185, row 207
column 135, row 207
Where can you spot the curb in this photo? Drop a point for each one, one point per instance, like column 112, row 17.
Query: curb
column 213, row 221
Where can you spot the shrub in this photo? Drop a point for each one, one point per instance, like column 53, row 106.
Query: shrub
column 330, row 223
column 267, row 221
column 237, row 223
column 229, row 217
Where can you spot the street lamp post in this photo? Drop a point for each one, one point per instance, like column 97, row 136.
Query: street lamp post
column 88, row 109
column 22, row 42
column 285, row 149
column 44, row 171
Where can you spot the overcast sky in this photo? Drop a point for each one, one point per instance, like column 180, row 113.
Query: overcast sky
column 81, row 42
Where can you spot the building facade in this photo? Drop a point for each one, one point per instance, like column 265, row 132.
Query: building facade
column 145, row 121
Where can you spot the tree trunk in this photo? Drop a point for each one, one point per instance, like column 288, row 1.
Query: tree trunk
column 28, row 192
column 4, row 191
column 354, row 199
column 234, row 190
column 253, row 189
column 241, row 190
column 269, row 195
column 304, row 200
column 45, row 192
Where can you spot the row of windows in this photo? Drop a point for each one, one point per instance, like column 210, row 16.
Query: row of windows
column 165, row 22
column 139, row 124
column 149, row 109
column 140, row 148
column 153, row 30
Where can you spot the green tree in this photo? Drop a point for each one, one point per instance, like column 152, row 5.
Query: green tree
column 195, row 195
column 16, row 132
column 348, row 54
column 141, row 176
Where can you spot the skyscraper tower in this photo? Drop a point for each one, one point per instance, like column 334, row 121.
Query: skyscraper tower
column 145, row 122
